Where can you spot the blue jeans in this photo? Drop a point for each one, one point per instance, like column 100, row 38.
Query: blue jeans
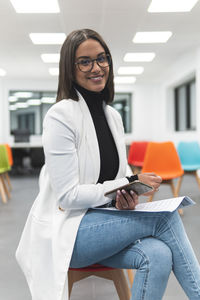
column 152, row 243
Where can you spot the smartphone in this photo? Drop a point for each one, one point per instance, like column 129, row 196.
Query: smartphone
column 138, row 187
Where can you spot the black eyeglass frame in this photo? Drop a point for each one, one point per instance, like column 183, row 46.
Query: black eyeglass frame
column 93, row 60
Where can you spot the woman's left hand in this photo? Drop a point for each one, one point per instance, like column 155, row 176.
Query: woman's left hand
column 126, row 200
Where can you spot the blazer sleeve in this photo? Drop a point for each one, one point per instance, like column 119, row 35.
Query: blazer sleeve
column 60, row 137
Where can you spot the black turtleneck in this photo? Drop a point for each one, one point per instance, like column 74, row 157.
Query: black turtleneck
column 109, row 159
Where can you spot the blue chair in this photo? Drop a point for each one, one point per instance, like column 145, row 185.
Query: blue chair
column 189, row 154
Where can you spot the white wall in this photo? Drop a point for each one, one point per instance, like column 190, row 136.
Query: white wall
column 153, row 104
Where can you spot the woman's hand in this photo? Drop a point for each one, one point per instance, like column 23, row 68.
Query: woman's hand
column 151, row 179
column 126, row 200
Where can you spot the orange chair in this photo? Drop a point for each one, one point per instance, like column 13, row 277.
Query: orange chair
column 10, row 161
column 136, row 155
column 10, row 156
column 116, row 275
column 162, row 159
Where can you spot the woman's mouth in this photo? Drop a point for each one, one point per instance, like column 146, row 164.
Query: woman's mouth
column 96, row 78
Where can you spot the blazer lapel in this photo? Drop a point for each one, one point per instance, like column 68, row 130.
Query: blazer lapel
column 119, row 141
column 91, row 137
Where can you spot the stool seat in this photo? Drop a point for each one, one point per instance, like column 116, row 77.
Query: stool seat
column 94, row 267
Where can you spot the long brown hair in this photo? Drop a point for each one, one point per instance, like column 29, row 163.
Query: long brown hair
column 66, row 79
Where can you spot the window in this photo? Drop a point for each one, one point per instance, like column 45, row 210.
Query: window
column 122, row 103
column 185, row 106
column 28, row 108
column 26, row 121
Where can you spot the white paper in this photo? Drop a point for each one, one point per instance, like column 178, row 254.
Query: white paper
column 159, row 206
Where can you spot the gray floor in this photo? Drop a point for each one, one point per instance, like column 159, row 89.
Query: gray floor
column 13, row 216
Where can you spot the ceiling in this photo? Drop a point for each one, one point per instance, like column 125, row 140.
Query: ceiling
column 117, row 21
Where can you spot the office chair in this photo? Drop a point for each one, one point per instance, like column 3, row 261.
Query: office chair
column 189, row 153
column 162, row 159
column 136, row 155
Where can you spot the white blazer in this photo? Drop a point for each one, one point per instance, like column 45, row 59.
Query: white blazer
column 67, row 189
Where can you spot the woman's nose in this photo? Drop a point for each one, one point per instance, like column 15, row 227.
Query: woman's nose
column 95, row 67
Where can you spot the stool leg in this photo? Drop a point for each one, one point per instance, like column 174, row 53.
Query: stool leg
column 130, row 276
column 70, row 283
column 121, row 285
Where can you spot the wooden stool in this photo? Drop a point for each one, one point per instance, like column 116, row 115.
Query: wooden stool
column 116, row 275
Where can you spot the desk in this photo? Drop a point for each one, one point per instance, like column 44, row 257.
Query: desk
column 27, row 158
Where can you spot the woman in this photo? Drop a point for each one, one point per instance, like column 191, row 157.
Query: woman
column 84, row 158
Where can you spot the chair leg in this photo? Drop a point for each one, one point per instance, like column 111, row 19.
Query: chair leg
column 178, row 186
column 176, row 191
column 5, row 188
column 172, row 187
column 197, row 178
column 136, row 170
column 130, row 276
column 150, row 198
column 121, row 285
column 8, row 181
column 2, row 191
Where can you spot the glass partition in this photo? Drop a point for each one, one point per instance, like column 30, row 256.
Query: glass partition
column 28, row 108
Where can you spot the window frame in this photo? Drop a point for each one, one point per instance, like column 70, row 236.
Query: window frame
column 188, row 106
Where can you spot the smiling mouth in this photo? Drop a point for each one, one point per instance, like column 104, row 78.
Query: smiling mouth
column 96, row 78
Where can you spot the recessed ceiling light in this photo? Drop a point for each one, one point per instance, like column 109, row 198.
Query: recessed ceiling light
column 152, row 37
column 2, row 72
column 47, row 38
column 23, row 94
column 12, row 99
column 13, row 107
column 54, row 71
column 36, row 6
column 34, row 102
column 148, row 56
column 171, row 5
column 22, row 105
column 130, row 70
column 48, row 100
column 50, row 57
column 124, row 79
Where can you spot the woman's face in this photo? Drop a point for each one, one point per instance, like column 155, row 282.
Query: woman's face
column 96, row 78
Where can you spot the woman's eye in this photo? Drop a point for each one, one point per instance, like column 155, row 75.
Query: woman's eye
column 85, row 62
column 101, row 59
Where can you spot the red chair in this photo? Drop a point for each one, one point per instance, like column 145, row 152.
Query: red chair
column 136, row 155
column 116, row 275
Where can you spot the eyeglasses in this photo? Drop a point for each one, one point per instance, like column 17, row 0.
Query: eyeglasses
column 86, row 64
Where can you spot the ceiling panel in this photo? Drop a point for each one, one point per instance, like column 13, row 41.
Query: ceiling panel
column 117, row 21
